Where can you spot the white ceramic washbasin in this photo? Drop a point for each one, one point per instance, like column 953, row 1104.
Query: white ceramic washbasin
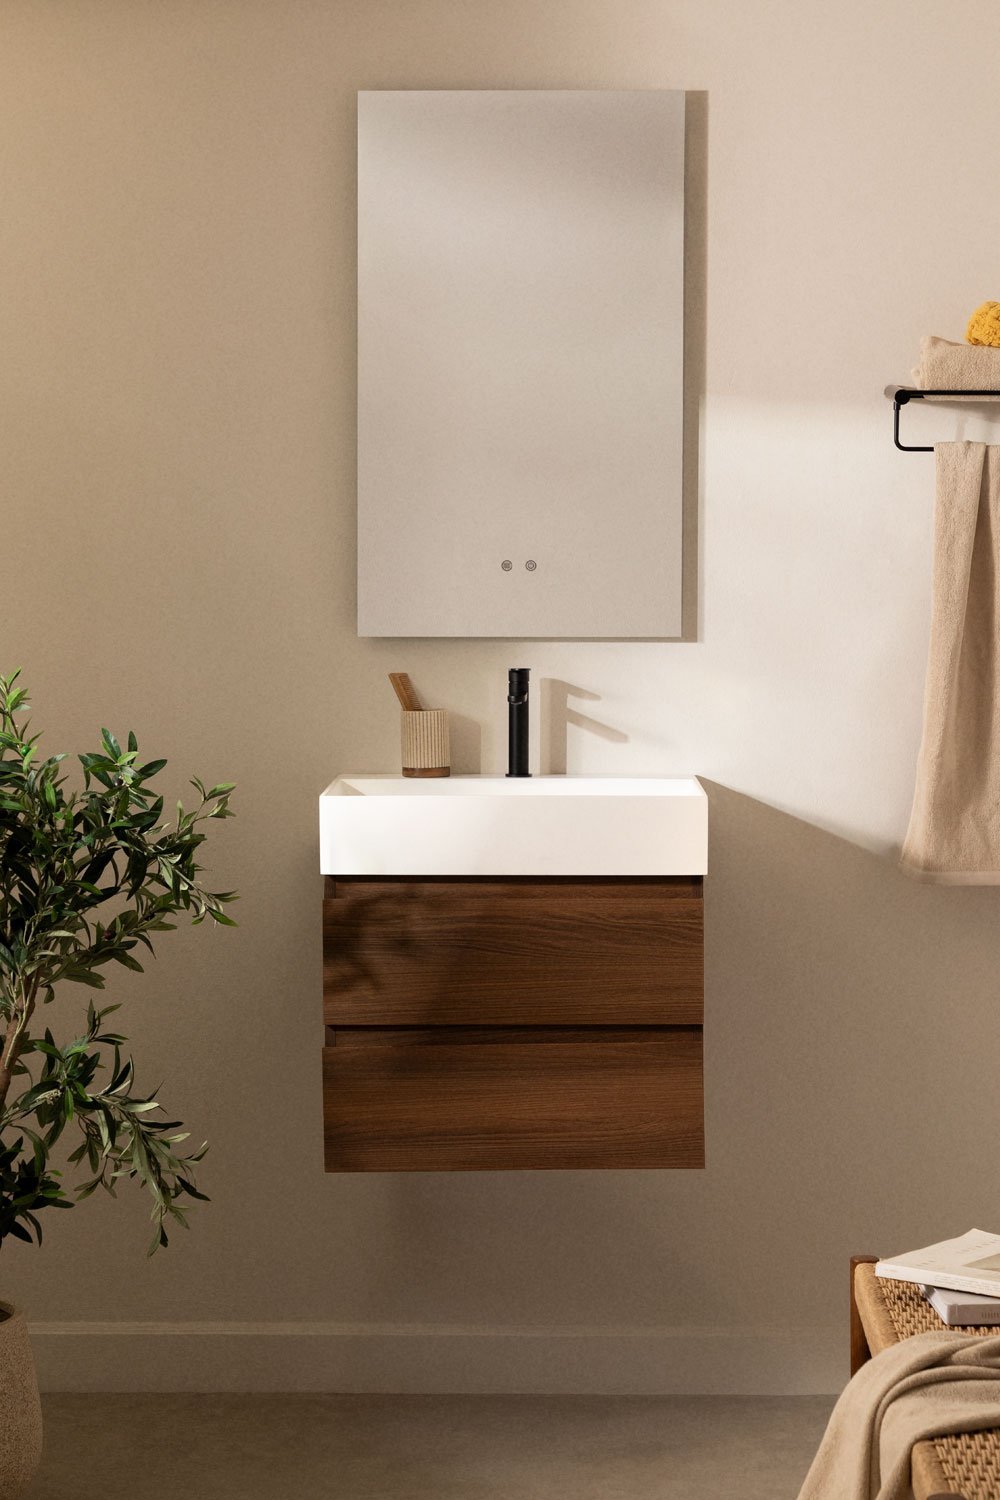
column 489, row 825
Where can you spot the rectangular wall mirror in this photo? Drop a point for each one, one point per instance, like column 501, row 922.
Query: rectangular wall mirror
column 520, row 363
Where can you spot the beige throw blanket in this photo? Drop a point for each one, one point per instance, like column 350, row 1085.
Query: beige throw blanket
column 945, row 366
column 954, row 833
column 922, row 1387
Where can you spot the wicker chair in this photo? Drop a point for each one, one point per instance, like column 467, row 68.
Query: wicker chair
column 962, row 1467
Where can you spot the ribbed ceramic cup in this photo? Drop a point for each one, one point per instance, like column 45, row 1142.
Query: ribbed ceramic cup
column 20, row 1408
column 425, row 742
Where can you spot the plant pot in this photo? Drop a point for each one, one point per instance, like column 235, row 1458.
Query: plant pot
column 20, row 1408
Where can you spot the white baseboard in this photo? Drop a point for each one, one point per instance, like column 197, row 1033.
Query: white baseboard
column 422, row 1360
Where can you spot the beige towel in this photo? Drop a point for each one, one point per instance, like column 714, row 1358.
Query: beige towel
column 945, row 366
column 954, row 833
column 922, row 1387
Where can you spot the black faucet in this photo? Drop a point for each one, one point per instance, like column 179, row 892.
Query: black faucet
column 517, row 721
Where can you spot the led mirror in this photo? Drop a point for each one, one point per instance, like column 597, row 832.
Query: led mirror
column 520, row 363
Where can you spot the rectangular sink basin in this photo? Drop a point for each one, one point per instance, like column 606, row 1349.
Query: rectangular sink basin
column 489, row 825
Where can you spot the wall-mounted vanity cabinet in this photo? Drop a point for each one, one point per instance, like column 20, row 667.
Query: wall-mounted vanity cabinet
column 520, row 362
column 485, row 1023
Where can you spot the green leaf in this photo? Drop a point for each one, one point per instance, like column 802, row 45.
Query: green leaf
column 79, row 975
column 64, row 851
column 191, row 1190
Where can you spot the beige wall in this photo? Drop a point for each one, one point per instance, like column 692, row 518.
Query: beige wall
column 177, row 408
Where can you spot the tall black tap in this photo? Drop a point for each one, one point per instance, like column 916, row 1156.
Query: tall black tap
column 517, row 721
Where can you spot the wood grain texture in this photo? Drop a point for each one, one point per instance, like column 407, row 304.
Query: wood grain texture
column 419, row 953
column 405, row 692
column 486, row 1036
column 592, row 1101
column 500, row 887
column 860, row 1352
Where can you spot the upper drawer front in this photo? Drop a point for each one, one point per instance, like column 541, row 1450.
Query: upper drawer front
column 546, row 955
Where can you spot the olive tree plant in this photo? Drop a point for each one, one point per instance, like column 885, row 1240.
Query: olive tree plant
column 88, row 876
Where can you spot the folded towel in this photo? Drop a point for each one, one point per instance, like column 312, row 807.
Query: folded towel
column 954, row 833
column 945, row 366
column 923, row 1387
column 984, row 325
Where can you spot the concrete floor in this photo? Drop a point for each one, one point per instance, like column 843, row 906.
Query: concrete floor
column 231, row 1447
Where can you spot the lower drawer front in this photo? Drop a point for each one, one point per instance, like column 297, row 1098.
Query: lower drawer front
column 453, row 1099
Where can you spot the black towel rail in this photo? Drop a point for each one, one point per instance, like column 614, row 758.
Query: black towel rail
column 902, row 394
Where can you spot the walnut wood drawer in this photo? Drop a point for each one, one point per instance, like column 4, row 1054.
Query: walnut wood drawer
column 513, row 953
column 446, row 1099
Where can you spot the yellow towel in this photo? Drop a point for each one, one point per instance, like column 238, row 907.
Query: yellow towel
column 984, row 325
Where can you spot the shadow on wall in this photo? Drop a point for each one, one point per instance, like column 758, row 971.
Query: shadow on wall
column 853, row 1041
column 466, row 740
column 558, row 714
column 852, row 1050
column 695, row 324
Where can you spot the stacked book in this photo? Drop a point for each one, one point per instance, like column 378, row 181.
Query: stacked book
column 960, row 1278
